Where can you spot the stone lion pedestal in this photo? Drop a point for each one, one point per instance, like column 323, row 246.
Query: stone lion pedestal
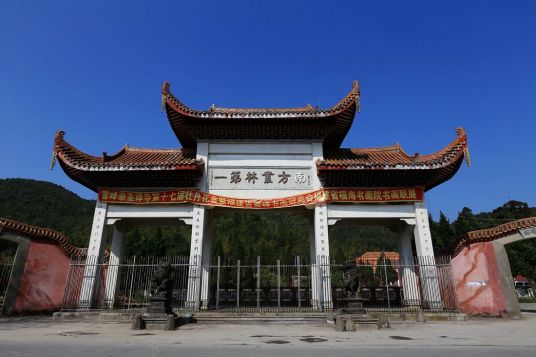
column 159, row 315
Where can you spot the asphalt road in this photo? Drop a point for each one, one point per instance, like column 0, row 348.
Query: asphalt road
column 479, row 337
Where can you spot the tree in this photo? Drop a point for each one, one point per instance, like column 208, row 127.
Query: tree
column 367, row 277
column 444, row 238
column 385, row 269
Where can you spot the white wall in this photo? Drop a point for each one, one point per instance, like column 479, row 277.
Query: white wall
column 278, row 155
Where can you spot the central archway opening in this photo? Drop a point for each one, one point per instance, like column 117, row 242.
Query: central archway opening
column 260, row 259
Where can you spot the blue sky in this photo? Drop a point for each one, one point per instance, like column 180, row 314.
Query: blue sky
column 95, row 69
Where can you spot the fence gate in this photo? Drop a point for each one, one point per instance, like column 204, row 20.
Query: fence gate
column 239, row 286
column 6, row 266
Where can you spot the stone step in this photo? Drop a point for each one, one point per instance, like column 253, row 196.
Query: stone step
column 264, row 318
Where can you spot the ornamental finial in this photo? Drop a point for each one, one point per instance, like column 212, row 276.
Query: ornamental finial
column 165, row 91
column 165, row 87
column 355, row 88
column 59, row 136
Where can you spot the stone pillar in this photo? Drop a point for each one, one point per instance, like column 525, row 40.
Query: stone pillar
column 431, row 293
column 314, row 267
column 206, row 260
column 95, row 250
column 193, row 295
column 407, row 267
column 196, row 254
column 116, row 256
column 322, row 256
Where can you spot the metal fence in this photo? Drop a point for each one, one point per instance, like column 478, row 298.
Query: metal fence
column 424, row 283
column 132, row 283
column 255, row 286
column 421, row 283
column 6, row 266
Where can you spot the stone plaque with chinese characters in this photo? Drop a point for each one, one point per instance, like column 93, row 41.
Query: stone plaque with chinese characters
column 259, row 178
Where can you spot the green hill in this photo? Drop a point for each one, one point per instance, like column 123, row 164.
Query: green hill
column 45, row 204
column 246, row 234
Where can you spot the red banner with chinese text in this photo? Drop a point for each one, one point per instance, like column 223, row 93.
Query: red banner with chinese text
column 327, row 195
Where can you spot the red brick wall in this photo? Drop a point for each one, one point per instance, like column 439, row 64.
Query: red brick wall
column 43, row 280
column 477, row 279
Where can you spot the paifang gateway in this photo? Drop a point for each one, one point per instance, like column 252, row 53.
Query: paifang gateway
column 270, row 158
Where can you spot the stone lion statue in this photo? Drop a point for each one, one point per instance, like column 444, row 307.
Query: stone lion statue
column 161, row 280
column 350, row 279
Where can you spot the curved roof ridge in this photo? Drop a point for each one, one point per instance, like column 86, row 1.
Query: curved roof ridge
column 461, row 139
column 65, row 151
column 60, row 239
column 393, row 147
column 346, row 101
column 61, row 145
column 493, row 233
column 121, row 152
column 305, row 109
column 129, row 167
column 399, row 156
column 138, row 149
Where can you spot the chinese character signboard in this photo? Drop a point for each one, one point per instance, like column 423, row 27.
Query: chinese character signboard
column 365, row 195
column 259, row 178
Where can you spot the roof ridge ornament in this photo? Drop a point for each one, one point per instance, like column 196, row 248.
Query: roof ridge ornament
column 356, row 89
column 59, row 136
column 165, row 92
column 461, row 133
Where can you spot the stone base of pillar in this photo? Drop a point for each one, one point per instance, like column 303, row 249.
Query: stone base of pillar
column 204, row 305
column 433, row 305
column 328, row 306
column 411, row 302
column 191, row 305
column 315, row 305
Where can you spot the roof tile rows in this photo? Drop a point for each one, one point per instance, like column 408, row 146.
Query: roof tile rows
column 307, row 111
column 307, row 123
column 130, row 167
column 12, row 226
column 128, row 158
column 490, row 234
column 392, row 157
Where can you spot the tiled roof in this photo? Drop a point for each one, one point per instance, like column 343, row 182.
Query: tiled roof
column 129, row 167
column 128, row 158
column 9, row 225
column 372, row 257
column 391, row 166
column 308, row 122
column 307, row 111
column 490, row 234
column 391, row 157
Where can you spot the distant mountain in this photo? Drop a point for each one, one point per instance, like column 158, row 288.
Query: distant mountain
column 244, row 234
column 46, row 204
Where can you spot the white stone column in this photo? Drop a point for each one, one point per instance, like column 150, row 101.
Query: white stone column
column 116, row 256
column 407, row 267
column 207, row 260
column 193, row 295
column 322, row 256
column 425, row 253
column 314, row 267
column 95, row 250
column 196, row 254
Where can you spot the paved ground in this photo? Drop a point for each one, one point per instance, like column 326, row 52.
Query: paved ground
column 42, row 336
column 528, row 307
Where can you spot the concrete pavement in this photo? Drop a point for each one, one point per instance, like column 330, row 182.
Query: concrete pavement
column 44, row 336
